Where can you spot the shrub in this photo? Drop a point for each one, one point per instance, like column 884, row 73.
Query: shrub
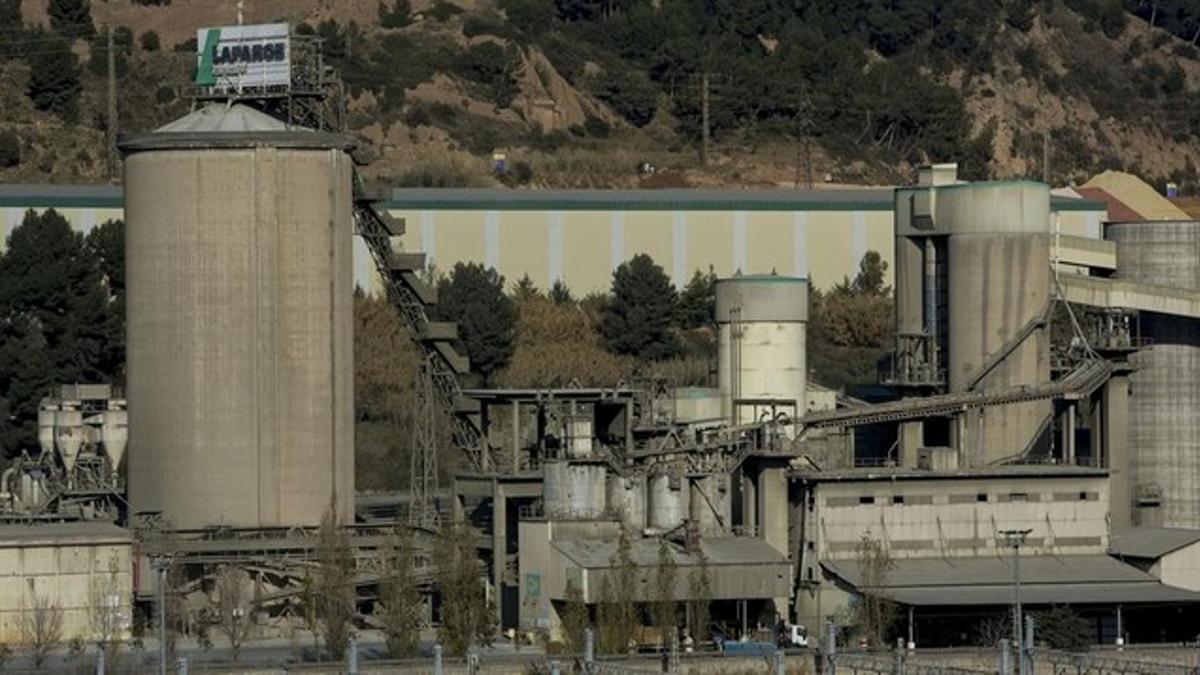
column 442, row 11
column 396, row 15
column 10, row 149
column 484, row 24
column 597, row 128
column 150, row 41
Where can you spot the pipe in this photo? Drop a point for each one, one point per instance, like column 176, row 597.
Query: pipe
column 930, row 287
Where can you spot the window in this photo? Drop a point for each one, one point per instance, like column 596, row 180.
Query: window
column 981, row 497
column 1018, row 497
column 866, row 500
column 1083, row 496
column 897, row 499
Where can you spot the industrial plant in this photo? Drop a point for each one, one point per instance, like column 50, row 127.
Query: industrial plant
column 1039, row 406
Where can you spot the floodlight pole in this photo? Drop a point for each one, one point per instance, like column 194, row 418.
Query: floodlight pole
column 1015, row 538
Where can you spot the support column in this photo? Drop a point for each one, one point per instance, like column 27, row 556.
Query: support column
column 1116, row 450
column 516, row 436
column 912, row 437
column 1068, row 435
column 499, row 547
column 773, row 515
column 749, row 501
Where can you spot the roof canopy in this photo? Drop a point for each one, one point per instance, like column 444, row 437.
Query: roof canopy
column 1084, row 579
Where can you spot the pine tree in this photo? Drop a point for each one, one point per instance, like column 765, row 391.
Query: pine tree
column 106, row 245
column 560, row 294
column 698, row 301
column 637, row 320
column 53, row 317
column 54, row 78
column 71, row 18
column 473, row 295
column 525, row 289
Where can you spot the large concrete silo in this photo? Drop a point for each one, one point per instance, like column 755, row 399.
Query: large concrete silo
column 973, row 279
column 240, row 371
column 1164, row 429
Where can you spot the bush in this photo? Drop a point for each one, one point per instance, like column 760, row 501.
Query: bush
column 529, row 16
column 1113, row 18
column 417, row 116
column 398, row 15
column 484, row 24
column 519, row 173
column 188, row 45
column 10, row 150
column 442, row 11
column 597, row 128
column 150, row 41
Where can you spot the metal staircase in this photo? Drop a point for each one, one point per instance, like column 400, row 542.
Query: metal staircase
column 412, row 296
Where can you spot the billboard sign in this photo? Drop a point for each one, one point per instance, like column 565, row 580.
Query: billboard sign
column 233, row 58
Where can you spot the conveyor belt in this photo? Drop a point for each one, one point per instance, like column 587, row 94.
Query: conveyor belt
column 411, row 296
column 1079, row 383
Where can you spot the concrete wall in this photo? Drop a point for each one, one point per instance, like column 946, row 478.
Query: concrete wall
column 582, row 248
column 72, row 575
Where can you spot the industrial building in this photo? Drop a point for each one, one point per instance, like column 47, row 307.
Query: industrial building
column 1044, row 381
column 581, row 236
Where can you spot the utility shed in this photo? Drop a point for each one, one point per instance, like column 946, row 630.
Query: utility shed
column 1169, row 554
column 82, row 569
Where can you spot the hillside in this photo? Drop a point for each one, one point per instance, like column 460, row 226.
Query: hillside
column 579, row 92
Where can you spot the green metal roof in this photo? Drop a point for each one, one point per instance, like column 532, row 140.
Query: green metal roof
column 450, row 199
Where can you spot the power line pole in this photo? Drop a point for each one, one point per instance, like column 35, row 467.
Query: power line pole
column 804, row 125
column 704, row 132
column 112, row 108
column 1046, row 156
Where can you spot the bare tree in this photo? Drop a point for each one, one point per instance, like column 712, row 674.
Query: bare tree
column 875, row 613
column 700, row 591
column 108, row 612
column 574, row 618
column 666, row 609
column 617, row 615
column 232, row 605
column 41, row 629
column 401, row 616
column 334, row 584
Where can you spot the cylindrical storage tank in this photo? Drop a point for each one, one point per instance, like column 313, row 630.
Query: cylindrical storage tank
column 239, row 324
column 573, row 490
column 668, row 498
column 1164, row 388
column 47, row 412
column 761, row 321
column 711, row 506
column 68, row 435
column 627, row 500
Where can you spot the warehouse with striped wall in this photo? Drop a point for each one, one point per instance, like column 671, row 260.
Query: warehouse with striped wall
column 580, row 236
